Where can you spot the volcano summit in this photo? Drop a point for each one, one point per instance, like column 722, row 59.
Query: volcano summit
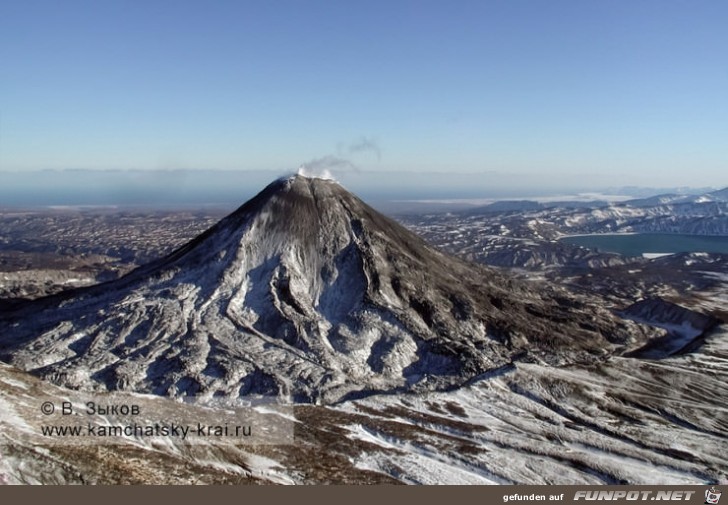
column 308, row 294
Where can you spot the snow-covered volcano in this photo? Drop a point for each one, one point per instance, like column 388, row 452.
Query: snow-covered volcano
column 305, row 293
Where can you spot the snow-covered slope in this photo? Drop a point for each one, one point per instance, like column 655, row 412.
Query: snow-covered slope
column 28, row 456
column 625, row 420
column 306, row 293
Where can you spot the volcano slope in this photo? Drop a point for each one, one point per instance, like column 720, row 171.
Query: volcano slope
column 307, row 294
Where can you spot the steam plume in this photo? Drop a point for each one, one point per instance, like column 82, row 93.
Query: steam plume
column 322, row 168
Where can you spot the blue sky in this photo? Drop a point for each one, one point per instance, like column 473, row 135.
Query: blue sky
column 532, row 92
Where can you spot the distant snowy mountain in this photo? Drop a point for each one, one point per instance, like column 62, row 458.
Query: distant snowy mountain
column 705, row 214
column 702, row 214
column 304, row 293
column 720, row 195
column 651, row 201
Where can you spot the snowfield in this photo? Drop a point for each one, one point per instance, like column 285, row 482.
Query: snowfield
column 624, row 421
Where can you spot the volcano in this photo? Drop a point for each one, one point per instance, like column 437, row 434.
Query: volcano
column 307, row 294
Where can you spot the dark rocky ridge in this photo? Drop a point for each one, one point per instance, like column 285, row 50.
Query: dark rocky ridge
column 306, row 293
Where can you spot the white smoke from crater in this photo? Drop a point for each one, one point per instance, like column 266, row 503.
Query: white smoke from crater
column 311, row 173
column 324, row 168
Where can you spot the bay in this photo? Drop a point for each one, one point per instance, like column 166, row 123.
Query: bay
column 637, row 244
